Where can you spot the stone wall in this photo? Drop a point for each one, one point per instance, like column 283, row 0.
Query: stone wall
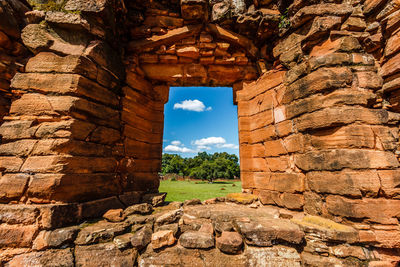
column 13, row 54
column 318, row 133
column 238, row 232
column 316, row 84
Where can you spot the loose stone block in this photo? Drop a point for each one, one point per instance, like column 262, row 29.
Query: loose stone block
column 199, row 239
column 265, row 232
column 229, row 242
column 162, row 238
column 54, row 257
column 104, row 254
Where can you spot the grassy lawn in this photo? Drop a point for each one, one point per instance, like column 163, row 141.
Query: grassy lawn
column 183, row 190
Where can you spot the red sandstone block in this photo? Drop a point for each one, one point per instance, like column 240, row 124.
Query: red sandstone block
column 18, row 214
column 280, row 164
column 50, row 62
column 10, row 164
column 390, row 181
column 336, row 116
column 64, row 84
column 141, row 107
column 308, row 12
column 227, row 75
column 380, row 210
column 335, row 98
column 253, row 164
column 339, row 159
column 19, row 129
column 265, row 83
column 143, row 181
column 143, row 124
column 329, row 60
column 369, row 80
column 292, row 201
column 284, row 128
column 261, row 119
column 148, row 58
column 97, row 207
column 371, row 5
column 348, row 183
column 252, row 151
column 274, row 148
column 388, row 239
column 344, row 44
column 164, row 72
column 140, row 165
column 282, row 182
column 72, row 187
column 392, row 45
column 244, row 137
column 104, row 254
column 137, row 82
column 12, row 186
column 392, row 22
column 142, row 136
column 295, row 143
column 392, row 66
column 57, row 215
column 258, row 135
column 267, row 197
column 37, row 105
column 168, row 59
column 142, row 150
column 17, row 148
column 104, row 135
column 247, row 179
column 68, row 164
column 17, row 235
column 317, row 81
column 350, row 136
column 71, row 147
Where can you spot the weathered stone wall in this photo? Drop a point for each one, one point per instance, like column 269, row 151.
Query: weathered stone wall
column 13, row 54
column 238, row 232
column 319, row 136
column 316, row 84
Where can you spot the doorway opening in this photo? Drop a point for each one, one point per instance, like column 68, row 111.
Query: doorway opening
column 200, row 144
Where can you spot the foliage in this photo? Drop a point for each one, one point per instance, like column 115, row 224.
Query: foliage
column 284, row 21
column 184, row 190
column 204, row 166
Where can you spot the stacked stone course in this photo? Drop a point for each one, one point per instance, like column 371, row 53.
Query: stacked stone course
column 13, row 54
column 188, row 234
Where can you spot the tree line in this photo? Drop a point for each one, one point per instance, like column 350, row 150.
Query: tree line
column 204, row 166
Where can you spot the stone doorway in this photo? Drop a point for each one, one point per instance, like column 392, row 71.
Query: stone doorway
column 316, row 88
column 200, row 145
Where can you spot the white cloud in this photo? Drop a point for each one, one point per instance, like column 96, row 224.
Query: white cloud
column 210, row 141
column 192, row 105
column 176, row 143
column 178, row 149
column 218, row 142
column 203, row 148
column 232, row 146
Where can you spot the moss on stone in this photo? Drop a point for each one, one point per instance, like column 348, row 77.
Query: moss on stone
column 316, row 221
column 51, row 5
column 241, row 198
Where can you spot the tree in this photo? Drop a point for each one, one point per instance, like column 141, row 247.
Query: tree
column 203, row 166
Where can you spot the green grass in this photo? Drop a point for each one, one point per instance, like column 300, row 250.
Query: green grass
column 184, row 190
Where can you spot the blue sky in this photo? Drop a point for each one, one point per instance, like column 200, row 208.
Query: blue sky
column 200, row 119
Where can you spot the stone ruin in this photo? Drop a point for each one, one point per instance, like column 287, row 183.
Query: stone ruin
column 83, row 85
